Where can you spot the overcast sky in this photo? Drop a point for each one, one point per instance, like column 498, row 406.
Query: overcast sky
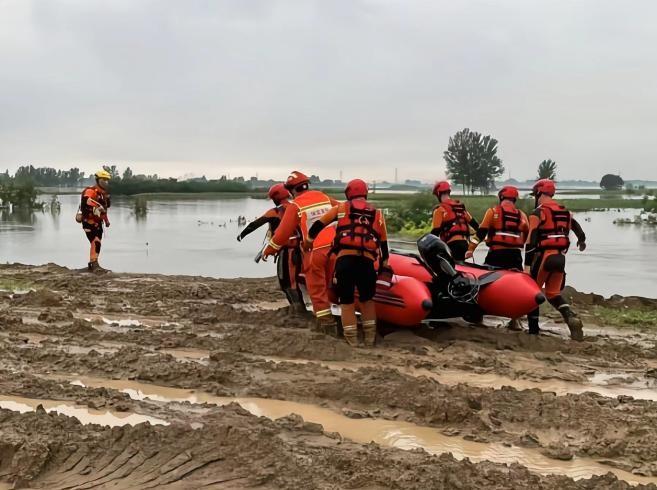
column 246, row 86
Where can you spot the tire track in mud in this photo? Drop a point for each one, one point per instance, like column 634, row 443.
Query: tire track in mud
column 559, row 425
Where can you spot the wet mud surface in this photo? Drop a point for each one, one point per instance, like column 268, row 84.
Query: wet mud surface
column 220, row 370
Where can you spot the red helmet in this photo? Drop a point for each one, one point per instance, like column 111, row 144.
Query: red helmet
column 544, row 186
column 295, row 179
column 278, row 193
column 356, row 188
column 441, row 187
column 508, row 192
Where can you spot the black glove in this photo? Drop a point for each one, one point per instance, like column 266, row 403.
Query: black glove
column 239, row 237
column 581, row 246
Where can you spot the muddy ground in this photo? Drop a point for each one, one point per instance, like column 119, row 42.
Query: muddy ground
column 527, row 412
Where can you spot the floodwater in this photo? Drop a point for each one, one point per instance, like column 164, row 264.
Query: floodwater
column 619, row 259
column 197, row 237
column 177, row 236
column 399, row 434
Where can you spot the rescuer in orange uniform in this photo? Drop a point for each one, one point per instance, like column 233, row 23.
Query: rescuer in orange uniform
column 307, row 207
column 451, row 221
column 289, row 260
column 504, row 229
column 545, row 253
column 94, row 203
column 360, row 240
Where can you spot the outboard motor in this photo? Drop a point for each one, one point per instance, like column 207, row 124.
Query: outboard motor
column 436, row 255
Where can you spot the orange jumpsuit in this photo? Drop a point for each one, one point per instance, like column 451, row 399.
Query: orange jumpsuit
column 504, row 229
column 538, row 257
column 92, row 224
column 287, row 264
column 306, row 208
column 452, row 232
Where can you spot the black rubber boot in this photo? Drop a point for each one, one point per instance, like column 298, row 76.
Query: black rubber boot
column 532, row 321
column 569, row 316
column 574, row 323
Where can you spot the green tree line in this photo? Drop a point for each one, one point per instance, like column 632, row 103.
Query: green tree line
column 127, row 183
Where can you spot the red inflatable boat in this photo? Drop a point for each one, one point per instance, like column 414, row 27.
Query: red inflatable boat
column 429, row 286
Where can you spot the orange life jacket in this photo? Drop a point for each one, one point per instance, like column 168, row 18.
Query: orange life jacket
column 554, row 228
column 505, row 228
column 358, row 227
column 311, row 206
column 455, row 222
column 98, row 195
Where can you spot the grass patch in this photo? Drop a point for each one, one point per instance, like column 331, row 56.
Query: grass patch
column 626, row 317
column 13, row 285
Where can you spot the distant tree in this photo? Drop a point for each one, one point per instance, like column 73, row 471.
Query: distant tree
column 127, row 173
column 487, row 165
column 611, row 182
column 547, row 169
column 113, row 171
column 472, row 161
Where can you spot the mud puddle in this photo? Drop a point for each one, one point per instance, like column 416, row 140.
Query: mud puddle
column 398, row 434
column 84, row 414
column 609, row 385
column 184, row 354
column 261, row 306
column 106, row 323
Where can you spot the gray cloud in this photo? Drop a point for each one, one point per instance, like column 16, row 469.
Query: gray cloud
column 363, row 86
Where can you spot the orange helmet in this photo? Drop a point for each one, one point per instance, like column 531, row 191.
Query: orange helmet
column 544, row 186
column 508, row 192
column 356, row 188
column 296, row 179
column 278, row 193
column 441, row 187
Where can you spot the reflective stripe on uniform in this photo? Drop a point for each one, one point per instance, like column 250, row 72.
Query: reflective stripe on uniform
column 322, row 313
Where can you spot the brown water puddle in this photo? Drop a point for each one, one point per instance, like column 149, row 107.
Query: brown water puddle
column 402, row 435
column 108, row 323
column 261, row 306
column 642, row 388
column 35, row 340
column 188, row 354
column 84, row 414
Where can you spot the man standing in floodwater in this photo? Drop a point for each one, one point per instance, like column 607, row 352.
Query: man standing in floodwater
column 545, row 253
column 94, row 203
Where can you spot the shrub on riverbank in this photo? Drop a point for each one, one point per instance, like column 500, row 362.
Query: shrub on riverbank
column 410, row 215
column 21, row 194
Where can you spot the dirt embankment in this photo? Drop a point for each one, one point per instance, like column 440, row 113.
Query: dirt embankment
column 234, row 338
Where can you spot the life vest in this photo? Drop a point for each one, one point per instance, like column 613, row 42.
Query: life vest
column 97, row 195
column 311, row 206
column 554, row 228
column 358, row 227
column 505, row 228
column 455, row 221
